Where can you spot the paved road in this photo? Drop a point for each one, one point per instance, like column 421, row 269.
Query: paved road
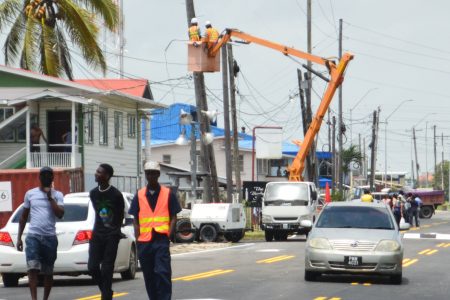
column 261, row 270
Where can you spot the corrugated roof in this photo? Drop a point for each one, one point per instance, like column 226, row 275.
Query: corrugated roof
column 135, row 87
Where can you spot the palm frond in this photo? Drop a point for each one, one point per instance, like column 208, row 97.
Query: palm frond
column 30, row 44
column 9, row 9
column 49, row 57
column 106, row 9
column 64, row 53
column 14, row 40
column 83, row 32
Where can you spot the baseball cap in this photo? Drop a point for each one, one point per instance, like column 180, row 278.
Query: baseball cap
column 46, row 170
column 152, row 165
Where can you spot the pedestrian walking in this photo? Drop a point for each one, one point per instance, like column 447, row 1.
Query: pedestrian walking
column 155, row 210
column 415, row 207
column 108, row 203
column 397, row 208
column 42, row 205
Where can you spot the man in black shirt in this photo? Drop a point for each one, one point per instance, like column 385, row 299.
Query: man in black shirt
column 109, row 208
column 157, row 208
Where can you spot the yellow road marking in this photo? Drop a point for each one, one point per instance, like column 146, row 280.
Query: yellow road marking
column 424, row 251
column 98, row 296
column 335, row 298
column 441, row 245
column 321, row 298
column 413, row 261
column 354, row 283
column 275, row 259
column 415, row 228
column 367, row 284
column 426, row 226
column 432, row 252
column 447, row 245
column 203, row 275
column 405, row 260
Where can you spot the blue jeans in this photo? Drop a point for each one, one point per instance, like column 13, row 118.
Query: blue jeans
column 40, row 252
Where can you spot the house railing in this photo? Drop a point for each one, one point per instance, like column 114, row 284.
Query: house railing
column 51, row 159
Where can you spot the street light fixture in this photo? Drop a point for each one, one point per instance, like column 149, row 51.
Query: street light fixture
column 385, row 137
column 351, row 110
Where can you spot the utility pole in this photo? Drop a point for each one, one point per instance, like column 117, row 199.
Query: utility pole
column 360, row 151
column 366, row 164
column 237, row 167
column 206, row 151
column 341, row 175
column 329, row 130
column 373, row 151
column 435, row 161
column 442, row 164
column 226, row 118
column 333, row 147
column 415, row 155
column 305, row 119
column 426, row 153
column 311, row 155
column 121, row 38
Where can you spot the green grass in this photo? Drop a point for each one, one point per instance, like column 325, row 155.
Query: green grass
column 254, row 235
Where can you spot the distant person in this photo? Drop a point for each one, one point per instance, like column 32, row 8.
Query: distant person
column 397, row 207
column 108, row 203
column 211, row 36
column 43, row 205
column 194, row 31
column 367, row 196
column 67, row 139
column 35, row 138
column 155, row 210
column 415, row 209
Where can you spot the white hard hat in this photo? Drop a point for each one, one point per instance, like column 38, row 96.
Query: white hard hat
column 194, row 20
column 207, row 23
column 152, row 165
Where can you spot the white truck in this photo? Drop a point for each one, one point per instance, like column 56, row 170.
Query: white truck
column 212, row 219
column 285, row 205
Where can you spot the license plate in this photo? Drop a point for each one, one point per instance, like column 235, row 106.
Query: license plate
column 353, row 261
column 285, row 226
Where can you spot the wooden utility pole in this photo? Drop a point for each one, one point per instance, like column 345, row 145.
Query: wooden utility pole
column 361, row 167
column 206, row 151
column 442, row 164
column 373, row 151
column 311, row 157
column 415, row 154
column 333, row 147
column 305, row 119
column 237, row 166
column 340, row 127
column 226, row 118
column 435, row 156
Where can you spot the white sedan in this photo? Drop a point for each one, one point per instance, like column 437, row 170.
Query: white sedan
column 74, row 231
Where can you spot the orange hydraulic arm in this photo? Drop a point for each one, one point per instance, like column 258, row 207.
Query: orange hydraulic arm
column 336, row 79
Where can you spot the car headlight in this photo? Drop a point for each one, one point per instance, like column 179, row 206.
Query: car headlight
column 319, row 243
column 387, row 246
column 266, row 219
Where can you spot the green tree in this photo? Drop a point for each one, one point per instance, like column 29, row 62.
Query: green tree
column 350, row 156
column 437, row 180
column 38, row 29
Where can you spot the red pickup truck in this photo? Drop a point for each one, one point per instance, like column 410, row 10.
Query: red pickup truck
column 430, row 201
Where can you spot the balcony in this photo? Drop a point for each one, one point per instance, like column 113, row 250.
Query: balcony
column 58, row 159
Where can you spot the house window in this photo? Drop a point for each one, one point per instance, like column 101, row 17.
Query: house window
column 131, row 126
column 89, row 127
column 241, row 163
column 166, row 158
column 261, row 167
column 5, row 113
column 118, row 129
column 103, row 126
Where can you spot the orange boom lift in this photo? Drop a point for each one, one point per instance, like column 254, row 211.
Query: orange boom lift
column 336, row 72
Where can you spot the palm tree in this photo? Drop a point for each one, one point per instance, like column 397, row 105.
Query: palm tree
column 38, row 29
column 349, row 156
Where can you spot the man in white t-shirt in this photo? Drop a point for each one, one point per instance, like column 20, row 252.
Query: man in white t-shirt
column 42, row 204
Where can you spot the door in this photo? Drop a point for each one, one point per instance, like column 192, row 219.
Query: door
column 58, row 123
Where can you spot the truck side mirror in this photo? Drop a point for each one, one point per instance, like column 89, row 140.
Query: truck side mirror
column 306, row 223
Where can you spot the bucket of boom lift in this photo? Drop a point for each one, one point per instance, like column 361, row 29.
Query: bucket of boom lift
column 199, row 60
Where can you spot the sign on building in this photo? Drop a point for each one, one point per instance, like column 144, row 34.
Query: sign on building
column 268, row 143
column 5, row 196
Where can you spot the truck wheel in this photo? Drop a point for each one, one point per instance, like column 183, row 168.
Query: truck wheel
column 268, row 235
column 208, row 233
column 283, row 236
column 184, row 232
column 235, row 236
column 426, row 212
column 10, row 280
column 277, row 236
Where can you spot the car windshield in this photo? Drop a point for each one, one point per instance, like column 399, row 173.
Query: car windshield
column 355, row 217
column 72, row 213
column 286, row 195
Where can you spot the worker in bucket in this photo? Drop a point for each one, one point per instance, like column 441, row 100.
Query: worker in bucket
column 211, row 36
column 194, row 31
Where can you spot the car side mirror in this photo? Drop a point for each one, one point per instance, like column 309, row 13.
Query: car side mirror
column 306, row 223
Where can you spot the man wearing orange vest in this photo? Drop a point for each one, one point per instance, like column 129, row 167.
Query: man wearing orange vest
column 155, row 210
column 211, row 35
column 194, row 31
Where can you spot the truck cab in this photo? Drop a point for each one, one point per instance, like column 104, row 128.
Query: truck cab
column 285, row 205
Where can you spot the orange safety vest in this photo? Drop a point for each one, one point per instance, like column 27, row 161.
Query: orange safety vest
column 211, row 35
column 194, row 33
column 159, row 220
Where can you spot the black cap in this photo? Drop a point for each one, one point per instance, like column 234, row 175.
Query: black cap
column 45, row 170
